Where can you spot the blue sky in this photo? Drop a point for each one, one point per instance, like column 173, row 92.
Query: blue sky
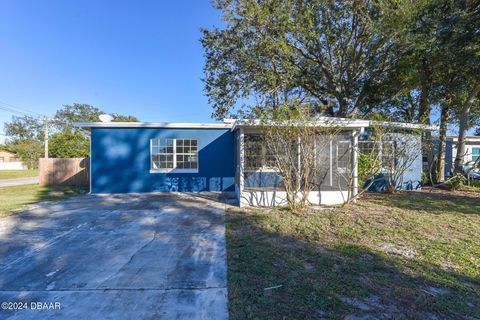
column 132, row 57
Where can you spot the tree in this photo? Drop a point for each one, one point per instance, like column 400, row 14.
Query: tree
column 24, row 128
column 71, row 142
column 79, row 112
column 327, row 54
column 29, row 151
column 461, row 44
column 68, row 144
column 25, row 135
column 297, row 142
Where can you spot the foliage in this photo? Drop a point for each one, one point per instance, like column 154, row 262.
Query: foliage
column 78, row 112
column 457, row 181
column 25, row 135
column 69, row 144
column 24, row 128
column 328, row 54
column 368, row 166
column 296, row 141
column 29, row 151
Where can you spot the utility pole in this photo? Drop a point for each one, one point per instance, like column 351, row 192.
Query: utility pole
column 46, row 137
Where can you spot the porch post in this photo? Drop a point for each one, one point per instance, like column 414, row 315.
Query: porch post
column 355, row 135
column 241, row 164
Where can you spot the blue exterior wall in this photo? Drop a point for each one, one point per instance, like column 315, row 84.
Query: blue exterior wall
column 120, row 161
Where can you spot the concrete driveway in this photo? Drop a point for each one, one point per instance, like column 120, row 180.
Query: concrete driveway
column 17, row 182
column 149, row 256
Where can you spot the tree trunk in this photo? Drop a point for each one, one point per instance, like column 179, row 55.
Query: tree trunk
column 442, row 141
column 343, row 104
column 425, row 88
column 424, row 111
column 463, row 127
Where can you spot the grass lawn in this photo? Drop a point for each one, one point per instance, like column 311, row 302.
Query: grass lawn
column 15, row 198
column 403, row 256
column 13, row 174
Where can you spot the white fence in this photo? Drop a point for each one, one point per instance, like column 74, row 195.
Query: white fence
column 17, row 165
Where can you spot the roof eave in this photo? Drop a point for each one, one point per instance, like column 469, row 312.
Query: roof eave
column 179, row 125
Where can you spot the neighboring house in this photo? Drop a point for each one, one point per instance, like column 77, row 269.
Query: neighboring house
column 472, row 152
column 10, row 161
column 222, row 157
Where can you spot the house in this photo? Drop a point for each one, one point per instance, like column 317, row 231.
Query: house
column 216, row 157
column 472, row 152
column 10, row 161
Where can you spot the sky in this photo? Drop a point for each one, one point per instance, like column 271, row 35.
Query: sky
column 142, row 58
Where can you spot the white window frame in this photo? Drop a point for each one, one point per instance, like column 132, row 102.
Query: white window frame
column 174, row 169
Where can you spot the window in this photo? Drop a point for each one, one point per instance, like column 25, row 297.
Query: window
column 2, row 159
column 14, row 159
column 475, row 154
column 384, row 152
column 174, row 155
column 257, row 155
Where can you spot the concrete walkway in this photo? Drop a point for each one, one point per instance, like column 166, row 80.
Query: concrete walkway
column 17, row 182
column 115, row 257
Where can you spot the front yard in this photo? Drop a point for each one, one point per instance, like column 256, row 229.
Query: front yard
column 14, row 174
column 403, row 256
column 16, row 198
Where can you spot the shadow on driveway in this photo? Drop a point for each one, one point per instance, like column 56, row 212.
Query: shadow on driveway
column 144, row 256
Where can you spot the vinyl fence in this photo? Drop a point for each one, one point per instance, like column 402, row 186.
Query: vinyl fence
column 64, row 171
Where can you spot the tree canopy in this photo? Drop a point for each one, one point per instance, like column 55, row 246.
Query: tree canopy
column 403, row 59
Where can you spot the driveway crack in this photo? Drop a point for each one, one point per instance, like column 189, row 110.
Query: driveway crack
column 129, row 260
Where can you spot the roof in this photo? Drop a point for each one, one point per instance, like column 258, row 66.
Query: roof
column 320, row 121
column 6, row 151
column 234, row 124
column 153, row 125
column 467, row 138
column 345, row 123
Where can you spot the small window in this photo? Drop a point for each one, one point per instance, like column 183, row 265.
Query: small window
column 2, row 159
column 174, row 155
column 14, row 159
column 475, row 154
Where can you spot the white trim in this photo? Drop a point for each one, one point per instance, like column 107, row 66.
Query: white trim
column 174, row 170
column 174, row 154
column 403, row 125
column 153, row 125
column 467, row 138
column 260, row 170
column 320, row 122
column 279, row 198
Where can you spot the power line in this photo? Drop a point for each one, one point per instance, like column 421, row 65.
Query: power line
column 21, row 109
column 14, row 111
